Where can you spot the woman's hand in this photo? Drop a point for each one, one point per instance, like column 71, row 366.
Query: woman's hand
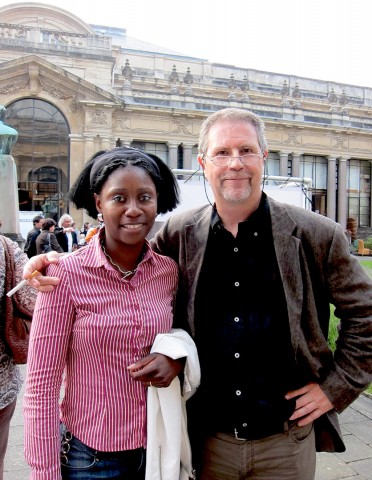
column 156, row 370
column 40, row 263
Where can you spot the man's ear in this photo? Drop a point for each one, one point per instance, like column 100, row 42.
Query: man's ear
column 201, row 161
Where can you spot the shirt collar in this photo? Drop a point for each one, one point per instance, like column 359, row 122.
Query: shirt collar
column 258, row 218
column 96, row 258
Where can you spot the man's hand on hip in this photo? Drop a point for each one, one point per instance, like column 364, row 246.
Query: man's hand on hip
column 311, row 403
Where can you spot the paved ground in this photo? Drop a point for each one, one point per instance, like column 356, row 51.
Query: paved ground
column 354, row 464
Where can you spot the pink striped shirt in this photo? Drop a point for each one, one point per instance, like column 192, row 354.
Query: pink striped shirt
column 91, row 327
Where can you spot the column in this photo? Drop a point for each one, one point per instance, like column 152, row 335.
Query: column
column 89, row 149
column 331, row 187
column 296, row 164
column 342, row 192
column 126, row 142
column 187, row 155
column 173, row 155
column 106, row 143
column 283, row 164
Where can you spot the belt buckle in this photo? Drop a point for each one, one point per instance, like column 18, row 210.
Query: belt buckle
column 236, row 435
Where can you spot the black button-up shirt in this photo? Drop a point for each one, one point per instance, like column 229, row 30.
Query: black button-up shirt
column 242, row 330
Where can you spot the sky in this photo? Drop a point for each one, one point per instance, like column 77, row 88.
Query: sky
column 322, row 39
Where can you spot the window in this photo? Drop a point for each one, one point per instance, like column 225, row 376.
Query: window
column 41, row 154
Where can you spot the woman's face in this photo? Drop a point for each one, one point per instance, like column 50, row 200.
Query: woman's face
column 128, row 203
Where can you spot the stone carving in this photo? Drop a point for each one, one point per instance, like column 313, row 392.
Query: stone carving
column 285, row 89
column 232, row 82
column 296, row 96
column 332, row 97
column 98, row 117
column 296, row 93
column 174, row 80
column 244, row 85
column 181, row 127
column 63, row 38
column 13, row 87
column 188, row 78
column 341, row 143
column 55, row 92
column 127, row 71
column 75, row 104
column 343, row 98
column 121, row 123
column 174, row 77
column 12, row 31
column 293, row 138
column 33, row 71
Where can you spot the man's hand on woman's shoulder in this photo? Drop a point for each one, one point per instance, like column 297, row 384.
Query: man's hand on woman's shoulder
column 40, row 263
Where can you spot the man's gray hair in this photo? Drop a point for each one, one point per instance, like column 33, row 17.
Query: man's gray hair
column 64, row 217
column 232, row 114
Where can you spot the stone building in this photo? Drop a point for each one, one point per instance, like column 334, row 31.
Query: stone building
column 71, row 89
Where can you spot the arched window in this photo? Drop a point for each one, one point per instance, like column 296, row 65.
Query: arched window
column 41, row 154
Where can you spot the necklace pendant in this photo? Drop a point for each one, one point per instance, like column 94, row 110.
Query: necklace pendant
column 125, row 273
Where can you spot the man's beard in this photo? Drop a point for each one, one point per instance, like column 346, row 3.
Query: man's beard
column 236, row 194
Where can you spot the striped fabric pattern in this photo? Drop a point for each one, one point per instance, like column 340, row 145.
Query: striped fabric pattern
column 88, row 330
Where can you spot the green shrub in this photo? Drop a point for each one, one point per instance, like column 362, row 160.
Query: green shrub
column 334, row 321
column 368, row 243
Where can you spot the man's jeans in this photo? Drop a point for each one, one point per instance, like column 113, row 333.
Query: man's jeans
column 80, row 462
column 285, row 456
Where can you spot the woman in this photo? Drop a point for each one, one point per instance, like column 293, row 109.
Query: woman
column 47, row 238
column 114, row 296
column 10, row 376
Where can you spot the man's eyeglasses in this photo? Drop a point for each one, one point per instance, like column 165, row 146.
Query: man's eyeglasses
column 225, row 160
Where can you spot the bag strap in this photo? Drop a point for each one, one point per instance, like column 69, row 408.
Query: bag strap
column 49, row 239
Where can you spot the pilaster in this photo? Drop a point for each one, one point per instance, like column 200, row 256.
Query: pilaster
column 331, row 187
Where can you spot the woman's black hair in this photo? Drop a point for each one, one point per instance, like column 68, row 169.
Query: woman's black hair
column 98, row 169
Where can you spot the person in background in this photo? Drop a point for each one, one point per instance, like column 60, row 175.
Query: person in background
column 84, row 229
column 94, row 230
column 75, row 229
column 30, row 245
column 257, row 278
column 65, row 233
column 115, row 296
column 10, row 376
column 47, row 237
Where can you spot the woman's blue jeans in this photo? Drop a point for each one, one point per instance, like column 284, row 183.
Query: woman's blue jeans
column 80, row 462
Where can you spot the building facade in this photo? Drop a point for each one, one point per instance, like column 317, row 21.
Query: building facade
column 71, row 89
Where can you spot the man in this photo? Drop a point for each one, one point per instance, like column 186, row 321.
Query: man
column 66, row 234
column 257, row 278
column 30, row 246
column 256, row 281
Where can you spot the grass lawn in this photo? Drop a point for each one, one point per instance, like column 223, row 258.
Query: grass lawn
column 332, row 334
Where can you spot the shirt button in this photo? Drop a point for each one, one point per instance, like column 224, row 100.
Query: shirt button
column 255, row 234
column 236, row 284
column 237, row 355
column 236, row 249
column 238, row 392
column 236, row 319
column 245, row 425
